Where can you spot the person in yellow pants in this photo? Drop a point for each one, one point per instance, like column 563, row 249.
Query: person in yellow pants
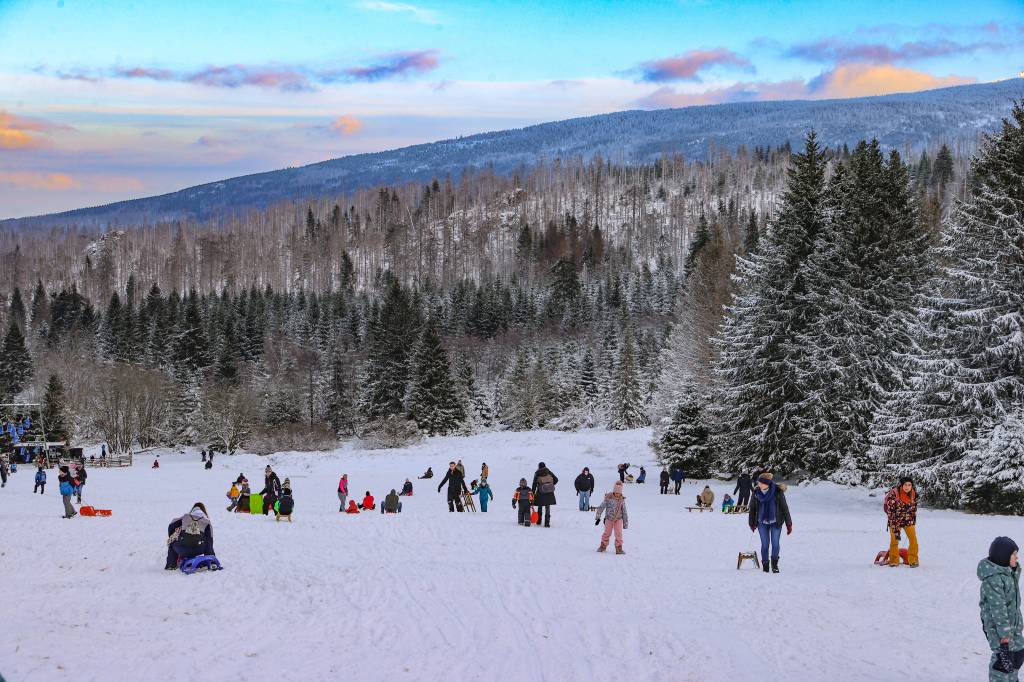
column 901, row 511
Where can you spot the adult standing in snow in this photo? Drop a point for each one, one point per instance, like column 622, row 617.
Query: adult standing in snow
column 900, row 507
column 82, row 475
column 615, row 518
column 189, row 536
column 456, row 486
column 663, row 480
column 1001, row 619
column 3, row 472
column 768, row 511
column 342, row 491
column 544, row 482
column 678, row 477
column 584, row 488
column 67, row 489
column 271, row 490
column 742, row 489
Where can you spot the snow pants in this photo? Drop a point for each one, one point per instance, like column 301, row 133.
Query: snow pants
column 483, row 502
column 584, row 500
column 454, row 499
column 894, row 547
column 341, row 498
column 69, row 511
column 524, row 515
column 995, row 675
column 664, row 489
column 177, row 552
column 609, row 527
column 768, row 533
column 41, row 487
column 78, row 492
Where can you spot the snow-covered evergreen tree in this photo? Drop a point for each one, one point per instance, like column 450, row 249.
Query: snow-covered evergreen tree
column 184, row 427
column 15, row 362
column 55, row 415
column 627, row 408
column 433, row 400
column 686, row 441
column 992, row 478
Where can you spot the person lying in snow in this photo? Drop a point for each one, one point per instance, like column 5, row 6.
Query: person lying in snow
column 189, row 536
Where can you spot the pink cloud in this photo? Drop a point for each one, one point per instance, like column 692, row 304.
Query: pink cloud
column 391, row 65
column 688, row 65
column 44, row 181
column 836, row 50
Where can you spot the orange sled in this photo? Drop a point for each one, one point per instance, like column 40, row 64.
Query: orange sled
column 882, row 558
column 92, row 511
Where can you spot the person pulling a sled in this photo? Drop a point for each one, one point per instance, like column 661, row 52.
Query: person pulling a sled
column 1001, row 621
column 188, row 537
column 271, row 490
column 456, row 486
column 900, row 507
column 768, row 511
column 616, row 519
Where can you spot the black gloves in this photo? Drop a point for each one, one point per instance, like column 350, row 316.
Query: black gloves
column 1004, row 661
column 597, row 522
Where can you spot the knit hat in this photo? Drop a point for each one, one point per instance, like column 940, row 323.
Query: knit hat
column 617, row 488
column 522, row 482
column 541, row 465
column 287, row 483
column 906, row 479
column 1000, row 550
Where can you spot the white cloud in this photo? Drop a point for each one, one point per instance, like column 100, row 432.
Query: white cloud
column 420, row 14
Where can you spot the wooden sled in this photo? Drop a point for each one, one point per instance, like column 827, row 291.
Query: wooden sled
column 743, row 556
column 630, row 478
column 278, row 517
column 700, row 509
column 467, row 502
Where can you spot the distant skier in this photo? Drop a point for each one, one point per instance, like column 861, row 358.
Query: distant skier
column 743, row 488
column 677, row 477
column 584, row 485
column 523, row 497
column 189, row 536
column 663, row 479
column 40, row 481
column 768, row 512
column 1001, row 620
column 900, row 507
column 342, row 491
column 456, row 486
column 544, row 482
column 616, row 519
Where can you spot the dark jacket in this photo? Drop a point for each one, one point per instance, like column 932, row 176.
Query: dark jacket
column 664, row 478
column 271, row 486
column 743, row 484
column 456, row 483
column 188, row 545
column 286, row 505
column 781, row 508
column 543, row 499
column 391, row 502
column 585, row 483
column 82, row 475
column 677, row 474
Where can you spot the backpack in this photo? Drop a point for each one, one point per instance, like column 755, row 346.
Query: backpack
column 192, row 535
column 546, row 484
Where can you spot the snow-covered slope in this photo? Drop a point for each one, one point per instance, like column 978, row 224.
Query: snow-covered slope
column 429, row 595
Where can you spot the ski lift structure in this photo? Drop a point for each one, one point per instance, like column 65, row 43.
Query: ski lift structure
column 24, row 440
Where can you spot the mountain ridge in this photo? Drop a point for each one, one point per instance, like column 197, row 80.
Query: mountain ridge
column 633, row 136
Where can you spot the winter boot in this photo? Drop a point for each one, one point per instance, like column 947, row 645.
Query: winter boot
column 619, row 550
column 603, row 546
column 775, row 565
column 764, row 566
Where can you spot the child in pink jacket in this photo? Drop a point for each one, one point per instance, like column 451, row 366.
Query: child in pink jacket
column 616, row 519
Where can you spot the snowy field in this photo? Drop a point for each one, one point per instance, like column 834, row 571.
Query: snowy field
column 429, row 595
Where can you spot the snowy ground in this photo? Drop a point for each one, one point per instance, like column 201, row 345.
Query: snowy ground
column 429, row 595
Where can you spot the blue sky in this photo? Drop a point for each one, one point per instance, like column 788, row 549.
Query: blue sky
column 101, row 101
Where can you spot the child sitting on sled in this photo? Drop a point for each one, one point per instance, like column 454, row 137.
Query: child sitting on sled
column 727, row 504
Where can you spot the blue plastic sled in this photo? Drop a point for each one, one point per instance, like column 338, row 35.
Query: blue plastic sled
column 203, row 561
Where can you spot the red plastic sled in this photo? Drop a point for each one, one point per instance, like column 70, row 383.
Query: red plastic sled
column 92, row 511
column 534, row 516
column 882, row 558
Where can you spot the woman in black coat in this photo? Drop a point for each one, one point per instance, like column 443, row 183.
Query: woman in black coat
column 544, row 482
column 456, row 486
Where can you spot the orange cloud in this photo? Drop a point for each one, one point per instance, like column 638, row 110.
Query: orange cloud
column 44, row 181
column 346, row 125
column 861, row 80
column 18, row 133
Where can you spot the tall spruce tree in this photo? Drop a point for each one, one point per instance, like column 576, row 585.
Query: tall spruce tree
column 15, row 362
column 433, row 400
column 758, row 386
column 627, row 409
column 55, row 410
column 392, row 336
column 687, row 442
